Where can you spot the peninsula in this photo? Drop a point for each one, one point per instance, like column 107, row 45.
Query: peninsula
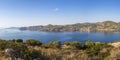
column 106, row 26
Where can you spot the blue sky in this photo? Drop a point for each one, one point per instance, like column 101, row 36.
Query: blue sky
column 43, row 12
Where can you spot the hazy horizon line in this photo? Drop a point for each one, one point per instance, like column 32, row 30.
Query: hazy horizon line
column 57, row 24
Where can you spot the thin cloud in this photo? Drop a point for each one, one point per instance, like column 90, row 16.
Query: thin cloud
column 56, row 9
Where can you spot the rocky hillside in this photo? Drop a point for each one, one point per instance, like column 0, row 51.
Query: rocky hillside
column 106, row 26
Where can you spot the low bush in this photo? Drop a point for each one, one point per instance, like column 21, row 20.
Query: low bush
column 33, row 42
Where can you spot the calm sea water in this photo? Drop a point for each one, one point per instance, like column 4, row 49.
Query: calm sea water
column 46, row 37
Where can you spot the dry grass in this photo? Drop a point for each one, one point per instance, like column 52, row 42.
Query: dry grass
column 62, row 54
column 3, row 56
column 116, row 44
column 114, row 54
column 66, row 53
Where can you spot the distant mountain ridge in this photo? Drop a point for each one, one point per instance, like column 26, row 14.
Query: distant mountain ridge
column 12, row 28
column 106, row 26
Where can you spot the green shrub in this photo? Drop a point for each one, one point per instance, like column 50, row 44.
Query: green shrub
column 19, row 40
column 76, row 45
column 31, row 54
column 67, row 43
column 56, row 44
column 33, row 42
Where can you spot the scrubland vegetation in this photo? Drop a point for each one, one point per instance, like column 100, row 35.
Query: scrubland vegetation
column 33, row 49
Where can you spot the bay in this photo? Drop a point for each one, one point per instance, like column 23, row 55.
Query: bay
column 47, row 37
